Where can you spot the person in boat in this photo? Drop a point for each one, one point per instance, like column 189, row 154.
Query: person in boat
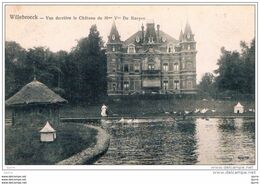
column 104, row 111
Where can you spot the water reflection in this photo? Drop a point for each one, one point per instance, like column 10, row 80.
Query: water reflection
column 236, row 145
column 185, row 142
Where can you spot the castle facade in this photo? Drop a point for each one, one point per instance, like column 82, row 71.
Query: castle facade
column 151, row 62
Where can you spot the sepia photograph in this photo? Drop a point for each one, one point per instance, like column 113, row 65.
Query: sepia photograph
column 129, row 84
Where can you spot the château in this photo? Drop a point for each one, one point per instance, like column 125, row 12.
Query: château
column 151, row 62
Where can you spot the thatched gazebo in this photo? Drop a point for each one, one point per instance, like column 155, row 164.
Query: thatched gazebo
column 35, row 103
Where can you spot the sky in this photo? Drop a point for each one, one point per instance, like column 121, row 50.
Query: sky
column 214, row 26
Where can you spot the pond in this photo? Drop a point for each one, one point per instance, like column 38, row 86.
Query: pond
column 198, row 141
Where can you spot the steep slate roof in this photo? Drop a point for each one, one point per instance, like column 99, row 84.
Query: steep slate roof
column 162, row 34
column 34, row 92
column 168, row 37
column 132, row 38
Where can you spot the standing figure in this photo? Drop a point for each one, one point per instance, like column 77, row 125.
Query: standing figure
column 104, row 110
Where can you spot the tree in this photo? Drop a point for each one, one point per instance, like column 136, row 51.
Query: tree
column 207, row 86
column 248, row 56
column 40, row 61
column 90, row 62
column 79, row 76
column 15, row 57
column 236, row 72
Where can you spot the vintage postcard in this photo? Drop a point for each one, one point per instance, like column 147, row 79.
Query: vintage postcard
column 130, row 85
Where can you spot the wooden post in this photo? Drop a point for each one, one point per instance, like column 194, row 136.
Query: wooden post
column 13, row 117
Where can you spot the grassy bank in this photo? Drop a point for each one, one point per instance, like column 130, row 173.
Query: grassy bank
column 145, row 107
column 23, row 146
column 142, row 107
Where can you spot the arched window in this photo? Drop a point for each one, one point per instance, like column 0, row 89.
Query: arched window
column 113, row 68
column 151, row 66
column 126, row 85
column 165, row 85
column 118, row 67
column 150, row 40
column 176, row 85
column 175, row 67
column 114, row 86
column 165, row 67
column 126, row 68
column 189, row 84
column 189, row 65
column 131, row 49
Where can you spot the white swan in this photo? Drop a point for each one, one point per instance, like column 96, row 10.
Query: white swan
column 129, row 121
column 121, row 120
column 135, row 121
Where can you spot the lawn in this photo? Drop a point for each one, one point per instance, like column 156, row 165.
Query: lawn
column 23, row 146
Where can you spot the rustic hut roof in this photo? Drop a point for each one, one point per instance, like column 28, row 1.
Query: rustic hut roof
column 34, row 92
column 47, row 128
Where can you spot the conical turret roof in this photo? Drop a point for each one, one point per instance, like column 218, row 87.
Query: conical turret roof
column 181, row 36
column 114, row 34
column 187, row 29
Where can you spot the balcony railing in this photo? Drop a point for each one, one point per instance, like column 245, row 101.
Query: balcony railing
column 151, row 72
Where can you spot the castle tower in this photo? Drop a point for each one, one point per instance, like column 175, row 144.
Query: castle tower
column 188, row 60
column 114, row 65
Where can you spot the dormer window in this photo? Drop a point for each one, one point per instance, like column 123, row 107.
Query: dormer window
column 164, row 39
column 170, row 48
column 131, row 49
column 113, row 37
column 188, row 35
column 137, row 39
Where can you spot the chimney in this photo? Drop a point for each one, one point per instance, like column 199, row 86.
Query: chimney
column 158, row 33
column 142, row 33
